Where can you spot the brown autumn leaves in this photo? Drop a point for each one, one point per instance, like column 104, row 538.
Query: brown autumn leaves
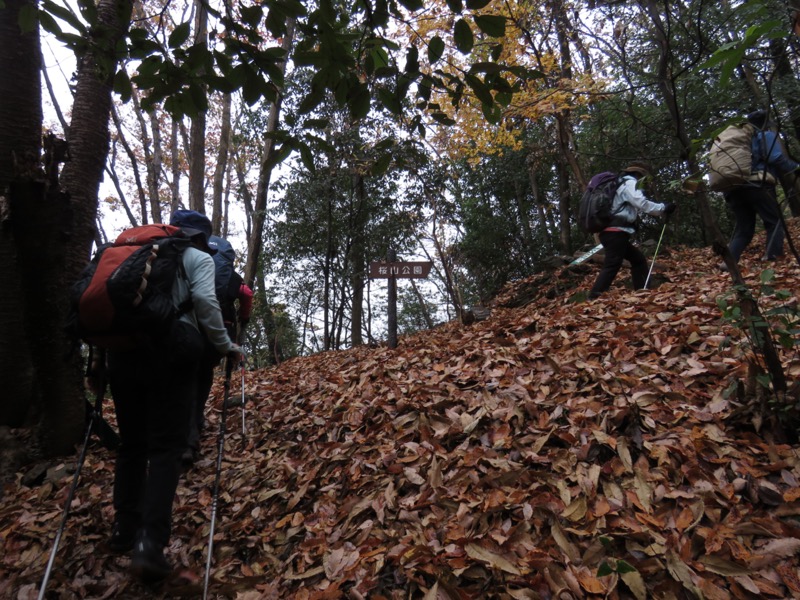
column 555, row 450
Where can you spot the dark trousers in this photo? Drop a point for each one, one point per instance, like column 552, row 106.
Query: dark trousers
column 618, row 248
column 746, row 203
column 153, row 389
column 205, row 377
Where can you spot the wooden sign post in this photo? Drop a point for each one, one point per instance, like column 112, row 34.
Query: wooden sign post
column 394, row 270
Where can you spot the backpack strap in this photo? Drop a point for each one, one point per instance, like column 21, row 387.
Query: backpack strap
column 187, row 305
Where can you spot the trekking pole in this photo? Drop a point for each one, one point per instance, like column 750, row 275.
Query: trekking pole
column 244, row 431
column 220, row 447
column 242, row 325
column 653, row 260
column 92, row 416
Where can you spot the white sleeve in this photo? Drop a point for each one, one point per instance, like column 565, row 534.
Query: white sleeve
column 633, row 196
column 200, row 273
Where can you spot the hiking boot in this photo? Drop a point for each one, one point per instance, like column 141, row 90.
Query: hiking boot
column 121, row 541
column 188, row 458
column 147, row 560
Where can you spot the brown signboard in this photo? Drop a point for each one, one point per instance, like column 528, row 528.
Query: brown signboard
column 398, row 270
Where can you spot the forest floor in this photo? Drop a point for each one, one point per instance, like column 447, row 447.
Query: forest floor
column 617, row 448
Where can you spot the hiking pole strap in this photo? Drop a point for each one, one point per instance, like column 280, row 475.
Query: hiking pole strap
column 217, row 476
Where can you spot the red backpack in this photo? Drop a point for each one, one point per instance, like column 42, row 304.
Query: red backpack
column 123, row 299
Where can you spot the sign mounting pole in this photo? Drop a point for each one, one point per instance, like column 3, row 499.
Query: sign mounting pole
column 392, row 300
column 394, row 270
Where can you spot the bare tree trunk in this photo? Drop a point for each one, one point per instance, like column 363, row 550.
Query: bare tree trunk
column 197, row 147
column 154, row 165
column 222, row 165
column 265, row 170
column 758, row 328
column 564, row 208
column 538, row 200
column 357, row 265
column 137, row 178
column 112, row 174
column 175, row 200
column 426, row 315
column 523, row 214
column 327, row 303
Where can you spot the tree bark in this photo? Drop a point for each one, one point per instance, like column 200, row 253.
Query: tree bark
column 222, row 166
column 20, row 142
column 88, row 146
column 197, row 148
column 175, row 184
column 357, row 264
column 154, row 164
column 265, row 170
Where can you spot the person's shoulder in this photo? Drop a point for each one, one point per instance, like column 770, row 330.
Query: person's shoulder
column 195, row 256
column 625, row 180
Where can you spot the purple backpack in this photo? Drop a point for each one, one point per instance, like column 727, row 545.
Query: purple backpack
column 594, row 212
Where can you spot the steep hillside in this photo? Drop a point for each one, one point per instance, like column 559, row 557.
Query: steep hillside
column 558, row 449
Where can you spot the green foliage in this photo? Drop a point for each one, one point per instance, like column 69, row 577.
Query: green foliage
column 462, row 34
column 330, row 38
column 607, row 567
column 763, row 27
column 412, row 312
column 501, row 240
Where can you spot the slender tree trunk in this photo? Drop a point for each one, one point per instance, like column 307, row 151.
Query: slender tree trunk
column 523, row 215
column 137, row 178
column 358, row 265
column 111, row 171
column 154, row 167
column 222, row 165
column 761, row 334
column 255, row 242
column 538, row 201
column 564, row 207
column 327, row 308
column 197, row 152
column 175, row 153
column 426, row 315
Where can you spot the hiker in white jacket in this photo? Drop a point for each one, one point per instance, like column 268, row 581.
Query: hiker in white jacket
column 629, row 204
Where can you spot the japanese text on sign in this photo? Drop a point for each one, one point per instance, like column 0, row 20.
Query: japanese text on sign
column 408, row 270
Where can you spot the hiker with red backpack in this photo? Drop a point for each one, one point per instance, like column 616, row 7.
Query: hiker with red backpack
column 235, row 299
column 756, row 194
column 628, row 203
column 153, row 385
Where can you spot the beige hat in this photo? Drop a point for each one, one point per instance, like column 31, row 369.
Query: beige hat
column 638, row 168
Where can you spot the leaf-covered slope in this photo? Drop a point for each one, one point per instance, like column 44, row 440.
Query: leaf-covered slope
column 557, row 450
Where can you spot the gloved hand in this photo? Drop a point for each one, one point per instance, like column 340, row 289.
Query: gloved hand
column 669, row 208
column 236, row 353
